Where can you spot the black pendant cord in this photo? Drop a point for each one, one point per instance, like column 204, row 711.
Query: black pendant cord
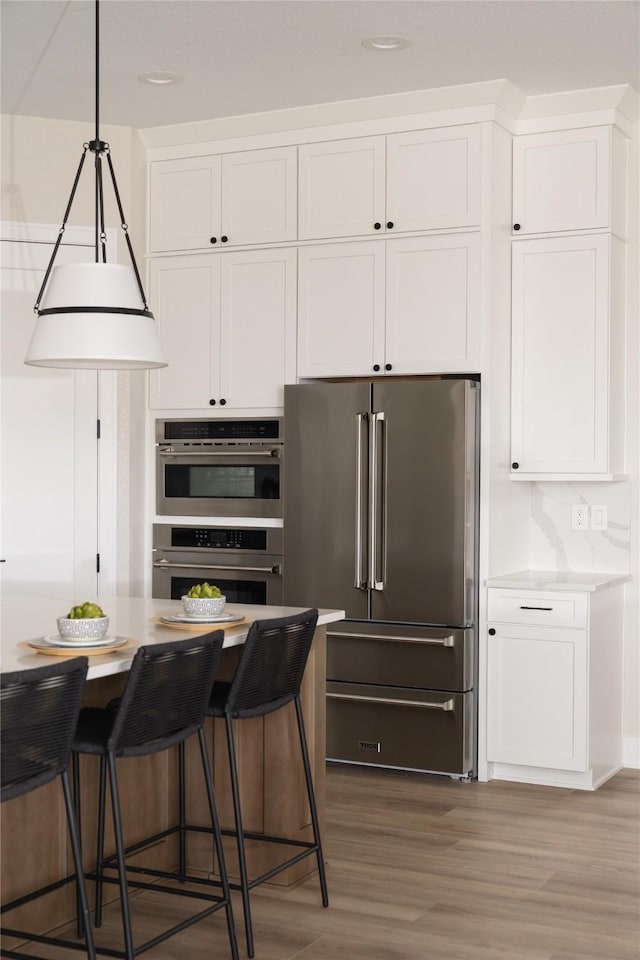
column 97, row 72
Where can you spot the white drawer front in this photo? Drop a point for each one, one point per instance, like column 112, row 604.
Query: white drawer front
column 535, row 606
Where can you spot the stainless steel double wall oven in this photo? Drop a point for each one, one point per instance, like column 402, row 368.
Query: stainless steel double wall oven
column 211, row 470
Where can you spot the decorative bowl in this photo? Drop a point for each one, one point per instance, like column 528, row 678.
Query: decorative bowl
column 203, row 606
column 90, row 628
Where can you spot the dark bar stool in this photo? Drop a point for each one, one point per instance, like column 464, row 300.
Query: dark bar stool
column 268, row 677
column 162, row 705
column 39, row 713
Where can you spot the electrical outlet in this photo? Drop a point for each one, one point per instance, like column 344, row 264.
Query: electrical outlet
column 579, row 516
column 599, row 517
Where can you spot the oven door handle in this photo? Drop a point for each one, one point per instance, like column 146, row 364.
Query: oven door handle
column 170, row 452
column 166, row 564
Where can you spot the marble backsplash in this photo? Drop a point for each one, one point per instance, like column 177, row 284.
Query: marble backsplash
column 553, row 545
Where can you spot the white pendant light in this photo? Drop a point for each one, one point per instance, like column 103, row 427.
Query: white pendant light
column 94, row 315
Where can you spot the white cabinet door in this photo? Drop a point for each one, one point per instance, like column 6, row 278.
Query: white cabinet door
column 433, row 304
column 184, row 293
column 537, row 696
column 434, row 178
column 561, row 356
column 342, row 186
column 198, row 203
column 341, row 309
column 258, row 327
column 561, row 180
column 259, row 193
column 184, row 204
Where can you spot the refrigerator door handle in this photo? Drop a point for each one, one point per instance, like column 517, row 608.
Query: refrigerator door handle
column 375, row 516
column 359, row 581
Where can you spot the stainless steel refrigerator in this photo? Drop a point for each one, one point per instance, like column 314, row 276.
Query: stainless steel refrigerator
column 380, row 519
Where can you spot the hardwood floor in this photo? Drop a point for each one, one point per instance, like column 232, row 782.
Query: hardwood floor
column 424, row 869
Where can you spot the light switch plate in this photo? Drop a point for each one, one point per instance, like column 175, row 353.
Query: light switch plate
column 599, row 517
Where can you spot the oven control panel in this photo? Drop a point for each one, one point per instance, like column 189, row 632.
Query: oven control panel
column 253, row 539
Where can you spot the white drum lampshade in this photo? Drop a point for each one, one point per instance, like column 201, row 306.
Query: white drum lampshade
column 90, row 318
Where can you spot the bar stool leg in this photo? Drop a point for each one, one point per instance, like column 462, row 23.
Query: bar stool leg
column 77, row 859
column 312, row 801
column 122, row 867
column 244, row 881
column 102, row 790
column 182, row 865
column 226, row 889
column 75, row 772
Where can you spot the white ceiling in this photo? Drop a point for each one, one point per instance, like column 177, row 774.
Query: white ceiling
column 246, row 56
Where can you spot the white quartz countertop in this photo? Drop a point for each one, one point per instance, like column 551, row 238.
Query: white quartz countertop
column 557, row 580
column 25, row 617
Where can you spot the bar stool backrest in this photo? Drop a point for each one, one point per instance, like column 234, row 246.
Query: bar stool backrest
column 166, row 694
column 272, row 664
column 39, row 711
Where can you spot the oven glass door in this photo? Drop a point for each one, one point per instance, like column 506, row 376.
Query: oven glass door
column 219, row 485
column 257, row 582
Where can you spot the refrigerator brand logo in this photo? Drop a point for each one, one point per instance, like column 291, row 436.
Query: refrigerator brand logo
column 370, row 745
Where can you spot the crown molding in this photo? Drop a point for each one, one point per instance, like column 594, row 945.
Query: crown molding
column 462, row 96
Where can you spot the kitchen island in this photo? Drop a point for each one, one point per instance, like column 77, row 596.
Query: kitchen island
column 271, row 778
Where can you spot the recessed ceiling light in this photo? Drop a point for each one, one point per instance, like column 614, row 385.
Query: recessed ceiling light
column 160, row 77
column 385, row 43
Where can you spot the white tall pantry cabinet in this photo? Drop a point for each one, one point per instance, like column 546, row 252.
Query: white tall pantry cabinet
column 568, row 305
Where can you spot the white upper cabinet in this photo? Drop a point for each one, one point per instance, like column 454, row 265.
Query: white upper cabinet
column 569, row 180
column 567, row 378
column 433, row 304
column 258, row 326
column 227, row 325
column 184, row 203
column 423, row 180
column 341, row 309
column 341, row 188
column 185, row 297
column 198, row 203
column 434, row 179
column 400, row 306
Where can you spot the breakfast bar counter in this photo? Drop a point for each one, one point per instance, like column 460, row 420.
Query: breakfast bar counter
column 271, row 780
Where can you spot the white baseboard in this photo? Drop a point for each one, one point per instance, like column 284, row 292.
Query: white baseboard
column 631, row 752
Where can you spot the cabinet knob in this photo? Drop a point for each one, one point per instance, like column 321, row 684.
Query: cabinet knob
column 388, row 366
column 222, row 402
column 377, row 226
column 376, row 367
column 224, row 239
column 492, row 632
column 390, row 225
column 515, row 465
column 212, row 403
column 213, row 240
column 516, row 226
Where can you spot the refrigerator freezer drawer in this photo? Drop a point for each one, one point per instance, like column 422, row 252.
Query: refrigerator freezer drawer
column 397, row 727
column 400, row 656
